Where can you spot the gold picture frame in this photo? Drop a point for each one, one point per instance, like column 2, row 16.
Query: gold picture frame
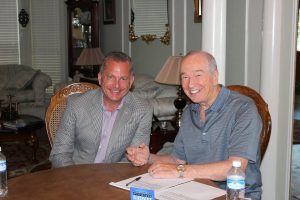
column 198, row 4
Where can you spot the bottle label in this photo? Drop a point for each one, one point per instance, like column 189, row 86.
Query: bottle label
column 2, row 165
column 236, row 183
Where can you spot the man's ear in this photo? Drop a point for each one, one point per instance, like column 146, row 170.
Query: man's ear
column 131, row 80
column 216, row 76
column 99, row 78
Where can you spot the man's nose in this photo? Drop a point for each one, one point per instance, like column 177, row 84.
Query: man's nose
column 117, row 83
column 191, row 82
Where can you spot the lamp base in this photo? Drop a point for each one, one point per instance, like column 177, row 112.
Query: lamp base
column 176, row 122
column 179, row 103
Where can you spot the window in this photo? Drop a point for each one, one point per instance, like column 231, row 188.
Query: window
column 48, row 46
column 9, row 35
column 151, row 17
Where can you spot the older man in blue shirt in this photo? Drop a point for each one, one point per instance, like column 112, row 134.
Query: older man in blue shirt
column 220, row 126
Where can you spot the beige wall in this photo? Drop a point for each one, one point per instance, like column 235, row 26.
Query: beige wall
column 25, row 36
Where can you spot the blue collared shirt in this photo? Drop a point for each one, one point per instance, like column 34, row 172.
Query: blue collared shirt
column 109, row 119
column 231, row 128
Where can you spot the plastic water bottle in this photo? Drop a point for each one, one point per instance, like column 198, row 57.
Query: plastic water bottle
column 235, row 182
column 3, row 175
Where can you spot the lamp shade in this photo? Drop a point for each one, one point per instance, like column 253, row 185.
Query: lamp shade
column 90, row 56
column 170, row 72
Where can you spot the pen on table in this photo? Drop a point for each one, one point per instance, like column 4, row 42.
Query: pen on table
column 136, row 179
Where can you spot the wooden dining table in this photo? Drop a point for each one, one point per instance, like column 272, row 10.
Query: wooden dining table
column 84, row 182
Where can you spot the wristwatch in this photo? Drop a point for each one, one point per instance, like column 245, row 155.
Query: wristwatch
column 181, row 169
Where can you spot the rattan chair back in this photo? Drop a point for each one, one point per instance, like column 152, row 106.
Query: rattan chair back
column 57, row 105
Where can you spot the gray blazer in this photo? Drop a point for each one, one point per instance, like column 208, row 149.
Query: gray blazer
column 79, row 134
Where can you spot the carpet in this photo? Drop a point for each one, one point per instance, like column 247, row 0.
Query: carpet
column 19, row 155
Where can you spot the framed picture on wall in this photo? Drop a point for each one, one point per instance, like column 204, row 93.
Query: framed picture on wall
column 109, row 12
column 198, row 11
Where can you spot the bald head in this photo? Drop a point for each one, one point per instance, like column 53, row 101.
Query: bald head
column 203, row 55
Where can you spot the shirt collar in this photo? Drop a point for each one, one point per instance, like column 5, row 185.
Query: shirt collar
column 118, row 108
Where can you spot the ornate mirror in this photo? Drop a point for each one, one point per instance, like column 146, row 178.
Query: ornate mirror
column 149, row 21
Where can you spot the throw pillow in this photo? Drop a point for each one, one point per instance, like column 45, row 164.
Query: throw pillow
column 20, row 76
column 147, row 93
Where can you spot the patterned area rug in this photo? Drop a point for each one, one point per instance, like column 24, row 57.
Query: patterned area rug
column 19, row 155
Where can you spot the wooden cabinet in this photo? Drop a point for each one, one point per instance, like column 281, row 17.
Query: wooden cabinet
column 83, row 30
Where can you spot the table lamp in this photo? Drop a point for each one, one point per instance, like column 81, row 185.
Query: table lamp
column 170, row 74
column 90, row 57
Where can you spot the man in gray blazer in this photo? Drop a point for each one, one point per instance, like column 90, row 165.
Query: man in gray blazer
column 99, row 125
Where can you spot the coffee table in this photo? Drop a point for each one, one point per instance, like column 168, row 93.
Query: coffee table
column 26, row 133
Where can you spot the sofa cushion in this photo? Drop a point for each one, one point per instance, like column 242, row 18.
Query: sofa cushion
column 16, row 77
column 145, row 87
column 147, row 93
column 142, row 81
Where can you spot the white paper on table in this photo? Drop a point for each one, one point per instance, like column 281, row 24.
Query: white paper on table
column 147, row 182
column 190, row 191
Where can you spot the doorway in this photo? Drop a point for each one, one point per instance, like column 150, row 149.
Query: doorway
column 295, row 163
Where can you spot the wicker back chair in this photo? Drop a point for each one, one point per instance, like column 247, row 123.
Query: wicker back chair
column 58, row 104
column 264, row 113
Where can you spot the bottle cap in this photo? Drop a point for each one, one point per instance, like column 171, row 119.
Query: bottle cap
column 236, row 163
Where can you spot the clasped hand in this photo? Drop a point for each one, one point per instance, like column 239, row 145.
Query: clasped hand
column 138, row 155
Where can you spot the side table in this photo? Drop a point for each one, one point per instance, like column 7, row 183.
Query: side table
column 26, row 133
column 159, row 136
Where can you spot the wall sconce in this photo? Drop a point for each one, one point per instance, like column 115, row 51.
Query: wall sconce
column 23, row 18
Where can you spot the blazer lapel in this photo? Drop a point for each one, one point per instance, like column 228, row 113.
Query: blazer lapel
column 96, row 114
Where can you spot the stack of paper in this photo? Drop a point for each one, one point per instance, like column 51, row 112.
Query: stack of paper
column 172, row 189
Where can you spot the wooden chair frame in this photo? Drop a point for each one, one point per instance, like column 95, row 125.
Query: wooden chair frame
column 264, row 113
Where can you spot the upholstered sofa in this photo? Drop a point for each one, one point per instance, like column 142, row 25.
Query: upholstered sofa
column 160, row 96
column 27, row 87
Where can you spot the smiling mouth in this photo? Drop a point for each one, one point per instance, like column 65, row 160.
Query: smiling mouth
column 115, row 91
column 194, row 91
